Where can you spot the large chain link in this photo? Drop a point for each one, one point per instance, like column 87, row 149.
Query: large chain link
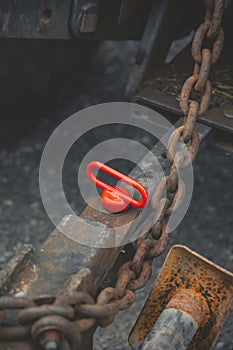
column 78, row 310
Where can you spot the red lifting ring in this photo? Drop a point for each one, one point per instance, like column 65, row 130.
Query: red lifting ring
column 116, row 198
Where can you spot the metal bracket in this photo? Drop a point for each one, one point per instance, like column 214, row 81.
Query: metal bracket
column 185, row 270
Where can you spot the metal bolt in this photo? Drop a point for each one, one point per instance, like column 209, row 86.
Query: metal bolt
column 88, row 18
column 50, row 340
column 173, row 330
column 178, row 323
column 51, row 345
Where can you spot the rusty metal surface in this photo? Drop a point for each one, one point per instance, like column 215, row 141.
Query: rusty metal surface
column 185, row 270
column 59, row 256
column 14, row 265
column 59, row 267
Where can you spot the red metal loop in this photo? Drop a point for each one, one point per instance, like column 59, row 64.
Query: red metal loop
column 117, row 198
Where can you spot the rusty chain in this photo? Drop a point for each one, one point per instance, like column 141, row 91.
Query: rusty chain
column 67, row 316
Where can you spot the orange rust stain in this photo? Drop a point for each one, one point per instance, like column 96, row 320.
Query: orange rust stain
column 53, row 250
column 29, row 278
column 51, row 267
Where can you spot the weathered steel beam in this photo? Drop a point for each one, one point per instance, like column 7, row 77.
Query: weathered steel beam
column 60, row 258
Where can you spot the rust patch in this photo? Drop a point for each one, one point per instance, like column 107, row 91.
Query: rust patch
column 185, row 270
column 14, row 267
column 53, row 250
column 30, row 277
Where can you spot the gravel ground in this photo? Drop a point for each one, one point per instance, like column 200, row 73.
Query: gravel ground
column 207, row 227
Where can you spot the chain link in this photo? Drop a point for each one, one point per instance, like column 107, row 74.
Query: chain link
column 73, row 313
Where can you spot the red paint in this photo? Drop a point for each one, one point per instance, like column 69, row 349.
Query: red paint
column 116, row 199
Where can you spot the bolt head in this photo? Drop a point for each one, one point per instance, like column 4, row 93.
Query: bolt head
column 51, row 345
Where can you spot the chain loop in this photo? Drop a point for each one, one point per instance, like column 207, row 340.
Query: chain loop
column 190, row 121
column 204, row 70
column 218, row 8
column 144, row 276
column 178, row 198
column 161, row 245
column 124, row 276
column 198, row 42
column 157, row 227
column 140, row 255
